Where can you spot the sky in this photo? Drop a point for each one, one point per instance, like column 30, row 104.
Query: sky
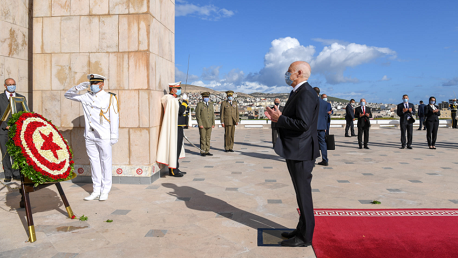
column 377, row 50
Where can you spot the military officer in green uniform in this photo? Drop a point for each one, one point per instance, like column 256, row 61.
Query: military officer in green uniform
column 205, row 116
column 453, row 108
column 229, row 119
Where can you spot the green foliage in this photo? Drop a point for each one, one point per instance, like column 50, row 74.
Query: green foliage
column 83, row 218
column 376, row 202
column 20, row 162
column 109, row 220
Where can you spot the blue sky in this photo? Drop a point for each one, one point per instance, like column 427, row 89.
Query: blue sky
column 378, row 50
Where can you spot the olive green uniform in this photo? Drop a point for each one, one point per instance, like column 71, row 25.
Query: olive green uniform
column 205, row 116
column 229, row 117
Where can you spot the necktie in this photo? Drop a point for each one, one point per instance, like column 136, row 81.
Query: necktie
column 291, row 94
column 364, row 110
column 11, row 94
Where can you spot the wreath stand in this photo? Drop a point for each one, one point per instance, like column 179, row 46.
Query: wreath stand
column 27, row 186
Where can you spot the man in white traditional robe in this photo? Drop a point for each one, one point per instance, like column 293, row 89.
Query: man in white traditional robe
column 170, row 148
column 101, row 117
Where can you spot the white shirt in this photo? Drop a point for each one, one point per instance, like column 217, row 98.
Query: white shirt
column 8, row 94
column 92, row 104
column 298, row 85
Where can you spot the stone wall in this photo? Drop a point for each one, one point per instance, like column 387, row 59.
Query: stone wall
column 131, row 42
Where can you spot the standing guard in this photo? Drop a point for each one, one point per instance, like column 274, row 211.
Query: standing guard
column 453, row 108
column 205, row 116
column 229, row 119
column 101, row 117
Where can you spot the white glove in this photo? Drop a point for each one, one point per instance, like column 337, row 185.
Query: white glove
column 82, row 86
column 185, row 97
column 113, row 141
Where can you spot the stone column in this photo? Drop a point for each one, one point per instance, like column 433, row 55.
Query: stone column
column 131, row 42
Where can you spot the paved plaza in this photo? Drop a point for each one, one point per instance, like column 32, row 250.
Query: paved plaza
column 215, row 210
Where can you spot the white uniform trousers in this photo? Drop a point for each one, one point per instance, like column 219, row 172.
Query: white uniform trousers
column 99, row 152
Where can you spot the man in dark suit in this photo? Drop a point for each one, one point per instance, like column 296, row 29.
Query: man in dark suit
column 322, row 127
column 10, row 91
column 298, row 144
column 421, row 115
column 273, row 125
column 363, row 113
column 350, row 118
column 329, row 111
column 406, row 111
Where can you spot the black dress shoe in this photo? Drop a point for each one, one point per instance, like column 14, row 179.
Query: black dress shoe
column 365, row 147
column 226, row 150
column 409, row 147
column 347, row 136
column 295, row 242
column 360, row 147
column 203, row 154
column 323, row 163
column 17, row 178
column 7, row 179
column 289, row 234
column 208, row 154
column 231, row 150
column 354, row 135
column 178, row 174
column 403, row 147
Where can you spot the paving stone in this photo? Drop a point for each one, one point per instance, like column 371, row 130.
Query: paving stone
column 232, row 189
column 268, row 167
column 415, row 181
column 394, row 190
column 432, row 174
column 454, row 201
column 367, row 159
column 198, row 179
column 273, row 201
column 335, row 155
column 315, row 190
column 236, row 173
column 349, row 163
column 153, row 187
column 368, row 174
column 271, row 180
column 228, row 215
column 244, row 148
column 383, row 155
column 239, row 162
column 120, row 212
column 417, row 158
column 430, row 155
column 327, row 168
column 156, row 233
column 65, row 255
column 185, row 161
column 183, row 199
column 208, row 167
column 403, row 163
column 343, row 181
column 365, row 201
column 446, row 167
column 387, row 168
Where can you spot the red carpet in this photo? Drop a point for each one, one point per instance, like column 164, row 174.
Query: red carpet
column 393, row 233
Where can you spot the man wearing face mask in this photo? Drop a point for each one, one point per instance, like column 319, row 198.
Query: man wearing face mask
column 205, row 116
column 406, row 111
column 329, row 111
column 323, row 116
column 453, row 108
column 229, row 119
column 10, row 91
column 350, row 118
column 273, row 125
column 170, row 147
column 363, row 113
column 101, row 117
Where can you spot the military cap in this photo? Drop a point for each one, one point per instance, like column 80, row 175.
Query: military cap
column 205, row 94
column 95, row 77
column 175, row 85
column 230, row 92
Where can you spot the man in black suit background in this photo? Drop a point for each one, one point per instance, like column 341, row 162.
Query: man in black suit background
column 322, row 127
column 298, row 144
column 10, row 91
column 350, row 118
column 273, row 125
column 363, row 113
column 421, row 115
column 406, row 111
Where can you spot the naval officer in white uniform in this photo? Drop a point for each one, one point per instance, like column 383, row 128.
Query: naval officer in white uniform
column 101, row 116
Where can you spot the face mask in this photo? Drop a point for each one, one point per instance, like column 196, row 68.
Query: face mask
column 277, row 104
column 454, row 103
column 11, row 88
column 432, row 102
column 363, row 104
column 353, row 104
column 178, row 92
column 325, row 99
column 406, row 100
column 95, row 88
column 206, row 99
column 288, row 79
column 229, row 98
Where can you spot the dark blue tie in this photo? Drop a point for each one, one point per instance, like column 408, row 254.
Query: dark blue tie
column 291, row 94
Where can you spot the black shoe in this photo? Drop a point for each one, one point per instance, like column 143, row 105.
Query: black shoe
column 424, row 128
column 231, row 150
column 409, row 147
column 208, row 154
column 353, row 135
column 17, row 178
column 203, row 154
column 323, row 163
column 178, row 174
column 402, row 147
column 7, row 179
column 226, row 150
column 347, row 136
column 418, row 129
column 295, row 242
column 360, row 147
column 289, row 235
column 365, row 147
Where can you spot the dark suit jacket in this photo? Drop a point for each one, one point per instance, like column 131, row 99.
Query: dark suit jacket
column 273, row 124
column 329, row 109
column 323, row 115
column 4, row 102
column 421, row 110
column 297, row 125
column 403, row 116
column 430, row 115
column 349, row 112
column 363, row 121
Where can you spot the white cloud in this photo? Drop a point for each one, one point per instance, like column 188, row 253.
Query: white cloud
column 452, row 82
column 206, row 12
column 181, row 76
column 331, row 62
column 235, row 76
column 385, row 78
column 210, row 73
column 330, row 41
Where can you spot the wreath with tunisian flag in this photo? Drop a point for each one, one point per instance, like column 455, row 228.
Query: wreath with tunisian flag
column 38, row 149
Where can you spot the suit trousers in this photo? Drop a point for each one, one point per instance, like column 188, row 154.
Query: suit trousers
column 322, row 144
column 422, row 122
column 205, row 136
column 274, row 136
column 431, row 132
column 454, row 124
column 301, row 175
column 229, row 131
column 363, row 130
column 9, row 173
column 349, row 125
column 99, row 153
column 408, row 127
column 179, row 146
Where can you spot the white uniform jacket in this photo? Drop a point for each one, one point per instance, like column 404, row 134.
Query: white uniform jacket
column 93, row 103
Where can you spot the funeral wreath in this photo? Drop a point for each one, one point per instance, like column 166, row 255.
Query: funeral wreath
column 38, row 149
